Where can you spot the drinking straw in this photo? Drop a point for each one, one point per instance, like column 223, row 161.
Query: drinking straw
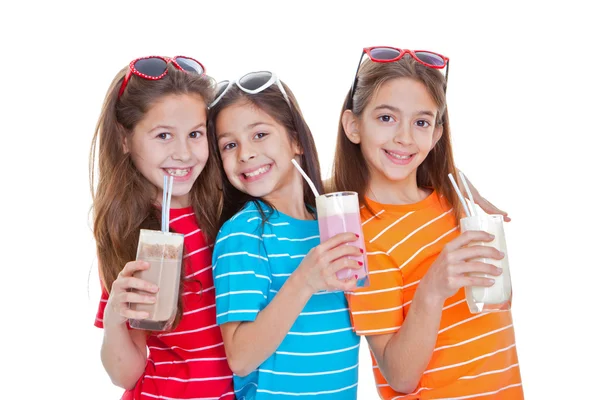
column 310, row 183
column 166, row 206
column 470, row 203
column 164, row 202
column 460, row 196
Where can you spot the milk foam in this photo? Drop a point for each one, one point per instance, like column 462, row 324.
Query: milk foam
column 332, row 204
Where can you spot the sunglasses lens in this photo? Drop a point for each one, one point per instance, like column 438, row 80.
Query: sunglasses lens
column 221, row 87
column 190, row 65
column 255, row 80
column 384, row 54
column 153, row 67
column 430, row 58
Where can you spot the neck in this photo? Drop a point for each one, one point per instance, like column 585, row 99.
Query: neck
column 176, row 201
column 289, row 199
column 405, row 191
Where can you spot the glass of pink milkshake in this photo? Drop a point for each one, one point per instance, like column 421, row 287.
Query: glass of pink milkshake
column 339, row 212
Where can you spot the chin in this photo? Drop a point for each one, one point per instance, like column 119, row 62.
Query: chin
column 265, row 190
column 397, row 177
column 257, row 193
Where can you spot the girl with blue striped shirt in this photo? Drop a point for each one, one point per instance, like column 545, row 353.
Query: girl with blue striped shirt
column 280, row 306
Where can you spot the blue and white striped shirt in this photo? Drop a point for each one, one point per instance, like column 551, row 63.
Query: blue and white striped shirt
column 251, row 262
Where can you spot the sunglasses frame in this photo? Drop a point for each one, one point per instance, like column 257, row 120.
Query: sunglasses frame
column 273, row 79
column 168, row 60
column 402, row 53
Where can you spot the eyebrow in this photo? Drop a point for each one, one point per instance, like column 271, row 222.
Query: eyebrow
column 167, row 127
column 248, row 127
column 397, row 110
column 254, row 125
column 170, row 128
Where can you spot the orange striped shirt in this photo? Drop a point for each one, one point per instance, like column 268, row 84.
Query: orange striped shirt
column 475, row 354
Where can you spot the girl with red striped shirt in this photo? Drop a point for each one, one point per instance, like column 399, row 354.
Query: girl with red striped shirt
column 152, row 124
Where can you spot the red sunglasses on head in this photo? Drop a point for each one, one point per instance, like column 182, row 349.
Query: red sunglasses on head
column 155, row 67
column 386, row 54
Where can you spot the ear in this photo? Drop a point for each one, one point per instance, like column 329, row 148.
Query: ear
column 124, row 143
column 297, row 148
column 437, row 135
column 350, row 123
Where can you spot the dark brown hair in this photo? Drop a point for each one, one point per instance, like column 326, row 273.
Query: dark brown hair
column 125, row 201
column 272, row 102
column 350, row 171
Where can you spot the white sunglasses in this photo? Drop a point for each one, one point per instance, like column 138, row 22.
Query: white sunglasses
column 251, row 83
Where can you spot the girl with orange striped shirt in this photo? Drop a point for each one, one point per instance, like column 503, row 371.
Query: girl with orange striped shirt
column 394, row 149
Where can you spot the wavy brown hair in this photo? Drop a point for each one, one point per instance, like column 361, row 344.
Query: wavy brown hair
column 125, row 201
column 350, row 171
column 272, row 102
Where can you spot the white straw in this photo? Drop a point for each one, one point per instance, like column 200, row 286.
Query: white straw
column 460, row 196
column 167, row 208
column 471, row 202
column 310, row 183
column 163, row 221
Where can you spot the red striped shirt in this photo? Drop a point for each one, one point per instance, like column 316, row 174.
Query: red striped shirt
column 190, row 361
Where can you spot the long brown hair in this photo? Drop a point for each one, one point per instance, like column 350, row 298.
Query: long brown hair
column 350, row 171
column 125, row 201
column 272, row 102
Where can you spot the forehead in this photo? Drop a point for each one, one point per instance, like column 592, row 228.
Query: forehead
column 404, row 93
column 241, row 117
column 176, row 110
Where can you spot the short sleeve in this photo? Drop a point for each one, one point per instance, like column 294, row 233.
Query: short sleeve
column 378, row 308
column 241, row 272
column 99, row 322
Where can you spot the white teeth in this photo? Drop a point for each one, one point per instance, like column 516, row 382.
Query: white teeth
column 259, row 171
column 398, row 156
column 178, row 172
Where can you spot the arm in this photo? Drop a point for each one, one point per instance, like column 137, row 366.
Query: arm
column 248, row 344
column 403, row 356
column 123, row 355
column 123, row 350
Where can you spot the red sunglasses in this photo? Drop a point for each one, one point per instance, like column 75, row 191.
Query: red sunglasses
column 155, row 67
column 386, row 54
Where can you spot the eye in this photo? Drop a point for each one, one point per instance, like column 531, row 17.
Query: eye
column 385, row 118
column 229, row 146
column 164, row 135
column 260, row 135
column 196, row 134
column 423, row 123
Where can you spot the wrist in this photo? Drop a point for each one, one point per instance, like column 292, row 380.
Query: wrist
column 428, row 301
column 300, row 285
column 112, row 321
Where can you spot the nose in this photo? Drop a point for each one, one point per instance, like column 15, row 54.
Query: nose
column 182, row 150
column 246, row 152
column 403, row 134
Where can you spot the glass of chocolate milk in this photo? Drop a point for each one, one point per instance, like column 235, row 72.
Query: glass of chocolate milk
column 163, row 250
column 499, row 296
column 339, row 212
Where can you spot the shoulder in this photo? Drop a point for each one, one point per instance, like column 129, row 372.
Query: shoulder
column 241, row 231
column 248, row 219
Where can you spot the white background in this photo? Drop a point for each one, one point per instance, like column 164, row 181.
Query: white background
column 523, row 99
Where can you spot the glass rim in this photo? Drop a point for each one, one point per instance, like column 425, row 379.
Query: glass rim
column 484, row 216
column 340, row 194
column 155, row 232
